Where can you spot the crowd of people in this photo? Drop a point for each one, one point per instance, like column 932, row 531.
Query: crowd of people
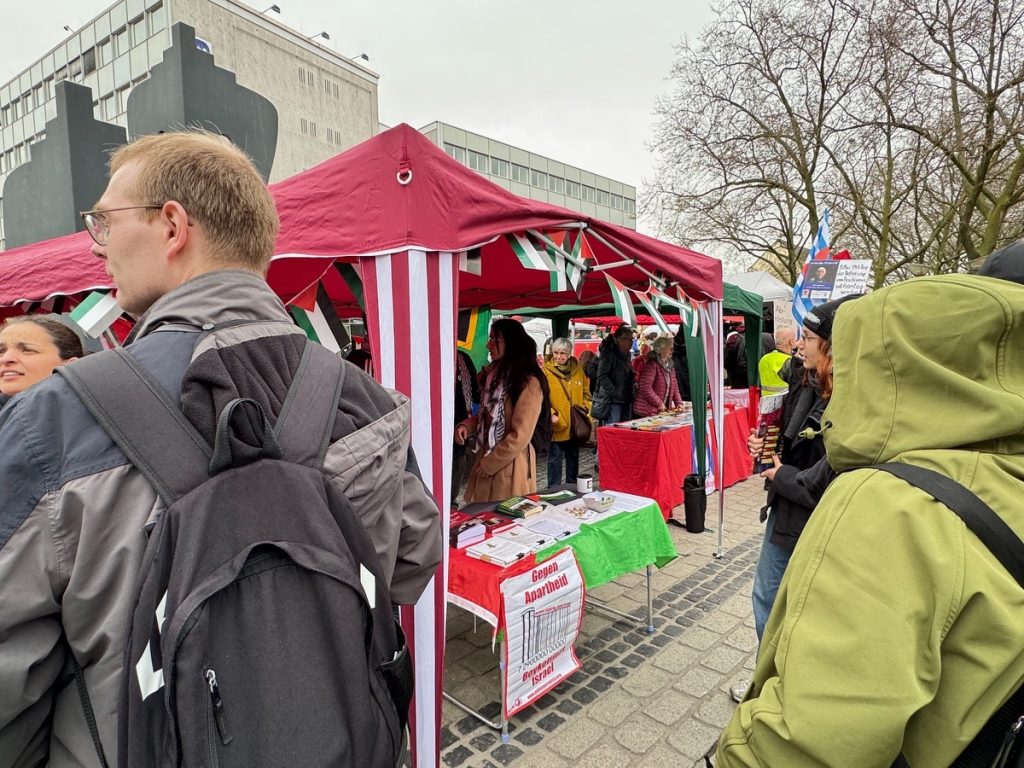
column 887, row 632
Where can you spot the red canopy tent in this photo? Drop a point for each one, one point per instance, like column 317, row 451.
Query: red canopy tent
column 406, row 215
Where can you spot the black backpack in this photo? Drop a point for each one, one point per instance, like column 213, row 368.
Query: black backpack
column 263, row 632
column 999, row 744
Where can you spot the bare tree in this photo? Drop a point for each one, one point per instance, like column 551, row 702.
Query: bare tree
column 902, row 116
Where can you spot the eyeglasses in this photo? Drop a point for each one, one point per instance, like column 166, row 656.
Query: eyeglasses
column 98, row 227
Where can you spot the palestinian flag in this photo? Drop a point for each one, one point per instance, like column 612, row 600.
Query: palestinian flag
column 581, row 250
column 559, row 277
column 529, row 255
column 687, row 314
column 319, row 319
column 654, row 313
column 623, row 302
column 96, row 313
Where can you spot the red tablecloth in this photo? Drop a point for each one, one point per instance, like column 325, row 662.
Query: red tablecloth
column 654, row 464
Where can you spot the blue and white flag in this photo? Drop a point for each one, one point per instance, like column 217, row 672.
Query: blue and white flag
column 802, row 301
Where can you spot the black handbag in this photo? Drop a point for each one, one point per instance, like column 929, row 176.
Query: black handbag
column 579, row 424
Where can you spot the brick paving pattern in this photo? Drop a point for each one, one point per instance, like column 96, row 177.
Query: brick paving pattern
column 640, row 700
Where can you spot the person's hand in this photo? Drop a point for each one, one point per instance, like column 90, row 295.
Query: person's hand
column 755, row 444
column 461, row 433
column 770, row 472
column 554, row 417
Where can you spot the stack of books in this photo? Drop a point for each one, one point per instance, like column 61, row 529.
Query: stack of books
column 465, row 529
column 521, row 506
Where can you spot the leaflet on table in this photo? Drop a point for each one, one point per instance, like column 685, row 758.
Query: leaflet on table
column 499, row 551
column 553, row 525
column 526, row 536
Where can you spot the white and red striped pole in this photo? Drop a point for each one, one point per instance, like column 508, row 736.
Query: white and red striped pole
column 412, row 314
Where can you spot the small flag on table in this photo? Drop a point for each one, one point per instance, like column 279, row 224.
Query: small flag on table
column 622, row 299
column 321, row 322
column 96, row 313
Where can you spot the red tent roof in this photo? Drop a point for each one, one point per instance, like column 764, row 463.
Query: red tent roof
column 354, row 204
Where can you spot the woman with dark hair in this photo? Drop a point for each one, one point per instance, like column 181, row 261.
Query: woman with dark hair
column 801, row 472
column 514, row 405
column 30, row 349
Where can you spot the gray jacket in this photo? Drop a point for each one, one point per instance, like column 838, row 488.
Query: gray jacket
column 73, row 512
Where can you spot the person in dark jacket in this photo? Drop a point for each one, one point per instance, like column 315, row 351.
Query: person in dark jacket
column 467, row 400
column 679, row 361
column 800, row 474
column 798, row 477
column 615, row 375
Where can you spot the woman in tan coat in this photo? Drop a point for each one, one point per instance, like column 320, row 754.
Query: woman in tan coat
column 514, row 396
column 569, row 386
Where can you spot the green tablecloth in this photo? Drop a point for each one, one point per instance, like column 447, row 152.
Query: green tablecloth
column 626, row 542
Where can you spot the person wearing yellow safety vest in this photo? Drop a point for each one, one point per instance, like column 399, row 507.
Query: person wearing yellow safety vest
column 770, row 364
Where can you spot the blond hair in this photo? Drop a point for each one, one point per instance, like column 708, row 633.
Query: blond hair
column 217, row 185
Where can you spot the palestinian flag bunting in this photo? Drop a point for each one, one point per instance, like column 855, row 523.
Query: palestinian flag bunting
column 96, row 313
column 659, row 321
column 623, row 301
column 320, row 321
column 529, row 255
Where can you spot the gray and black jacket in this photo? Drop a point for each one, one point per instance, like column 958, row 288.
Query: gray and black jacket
column 73, row 510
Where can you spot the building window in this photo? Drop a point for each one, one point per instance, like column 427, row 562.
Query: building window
column 304, row 126
column 157, row 18
column 539, row 179
column 520, row 173
column 477, row 161
column 616, row 202
column 572, row 188
column 556, row 184
column 336, row 91
column 109, row 107
column 457, row 153
column 89, row 61
column 603, row 198
column 138, row 30
column 310, row 79
column 499, row 167
column 15, row 109
column 103, row 52
column 312, row 129
column 630, row 205
column 122, row 98
column 302, row 75
column 120, row 39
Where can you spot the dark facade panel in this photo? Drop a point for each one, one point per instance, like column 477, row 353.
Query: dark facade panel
column 67, row 172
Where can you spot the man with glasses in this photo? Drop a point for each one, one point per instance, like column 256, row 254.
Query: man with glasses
column 186, row 229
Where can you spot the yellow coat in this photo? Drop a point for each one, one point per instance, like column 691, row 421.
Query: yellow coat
column 573, row 390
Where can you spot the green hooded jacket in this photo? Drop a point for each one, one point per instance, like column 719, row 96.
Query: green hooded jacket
column 895, row 629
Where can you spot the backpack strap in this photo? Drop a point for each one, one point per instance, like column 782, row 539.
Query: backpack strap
column 995, row 741
column 308, row 413
column 138, row 415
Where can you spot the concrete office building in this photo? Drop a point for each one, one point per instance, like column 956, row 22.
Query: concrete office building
column 531, row 175
column 325, row 102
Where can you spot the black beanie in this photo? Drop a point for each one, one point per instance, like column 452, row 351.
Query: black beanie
column 1006, row 264
column 819, row 320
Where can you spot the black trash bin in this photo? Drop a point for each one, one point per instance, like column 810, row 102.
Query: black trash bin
column 695, row 502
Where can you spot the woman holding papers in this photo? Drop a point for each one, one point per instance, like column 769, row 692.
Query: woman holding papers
column 514, row 397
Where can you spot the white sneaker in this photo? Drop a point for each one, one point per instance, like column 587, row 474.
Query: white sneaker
column 739, row 690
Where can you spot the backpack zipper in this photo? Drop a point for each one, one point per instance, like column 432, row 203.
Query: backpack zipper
column 218, row 707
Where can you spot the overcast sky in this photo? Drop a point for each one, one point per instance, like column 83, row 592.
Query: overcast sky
column 572, row 79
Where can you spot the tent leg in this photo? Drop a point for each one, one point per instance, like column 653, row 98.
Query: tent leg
column 720, row 551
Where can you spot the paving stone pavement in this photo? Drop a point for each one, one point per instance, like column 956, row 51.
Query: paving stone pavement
column 640, row 700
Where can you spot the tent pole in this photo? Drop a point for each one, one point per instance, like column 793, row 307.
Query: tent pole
column 721, row 522
column 654, row 277
column 551, row 244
